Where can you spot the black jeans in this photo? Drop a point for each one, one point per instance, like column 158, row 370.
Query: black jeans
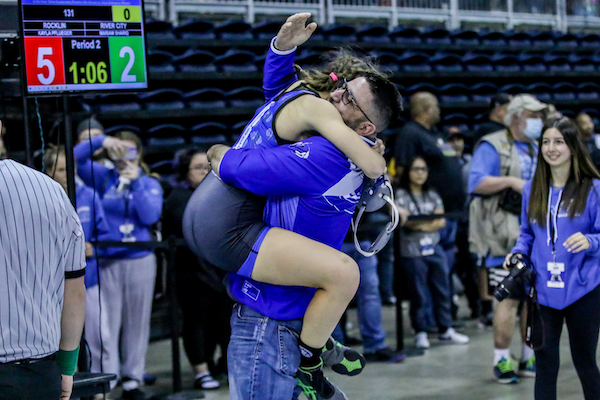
column 36, row 381
column 583, row 323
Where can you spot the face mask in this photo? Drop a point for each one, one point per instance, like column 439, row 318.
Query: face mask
column 533, row 129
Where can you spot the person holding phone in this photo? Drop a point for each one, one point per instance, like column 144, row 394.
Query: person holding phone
column 132, row 202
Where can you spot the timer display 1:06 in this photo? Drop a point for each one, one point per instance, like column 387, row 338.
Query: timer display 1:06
column 93, row 72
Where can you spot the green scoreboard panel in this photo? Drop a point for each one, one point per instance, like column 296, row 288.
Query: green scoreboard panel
column 83, row 45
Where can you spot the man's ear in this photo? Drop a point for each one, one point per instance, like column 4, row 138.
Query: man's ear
column 365, row 129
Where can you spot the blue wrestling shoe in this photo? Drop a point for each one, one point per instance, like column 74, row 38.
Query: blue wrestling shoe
column 315, row 386
column 342, row 359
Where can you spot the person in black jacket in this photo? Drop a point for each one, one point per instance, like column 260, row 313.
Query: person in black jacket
column 202, row 297
column 498, row 105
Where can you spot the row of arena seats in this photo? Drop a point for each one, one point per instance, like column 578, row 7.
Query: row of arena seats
column 162, row 60
column 240, row 30
column 253, row 96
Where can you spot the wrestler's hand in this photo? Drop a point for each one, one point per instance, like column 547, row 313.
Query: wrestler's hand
column 66, row 387
column 215, row 155
column 577, row 242
column 294, row 32
column 379, row 147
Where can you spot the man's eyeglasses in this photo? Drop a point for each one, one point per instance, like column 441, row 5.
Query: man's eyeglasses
column 348, row 98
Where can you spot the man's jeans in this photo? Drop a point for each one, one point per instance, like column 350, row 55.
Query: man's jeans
column 263, row 356
column 368, row 299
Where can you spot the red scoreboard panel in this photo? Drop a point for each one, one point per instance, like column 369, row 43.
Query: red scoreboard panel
column 83, row 45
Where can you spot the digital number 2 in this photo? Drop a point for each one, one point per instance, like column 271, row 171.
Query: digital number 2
column 125, row 77
column 44, row 62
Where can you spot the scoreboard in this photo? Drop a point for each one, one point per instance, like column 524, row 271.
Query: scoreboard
column 83, row 45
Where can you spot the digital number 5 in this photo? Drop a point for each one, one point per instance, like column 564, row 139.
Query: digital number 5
column 44, row 62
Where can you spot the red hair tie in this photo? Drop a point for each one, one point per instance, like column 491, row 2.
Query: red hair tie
column 333, row 76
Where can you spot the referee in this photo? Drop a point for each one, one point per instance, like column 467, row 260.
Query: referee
column 42, row 256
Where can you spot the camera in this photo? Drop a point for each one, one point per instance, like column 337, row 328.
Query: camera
column 520, row 273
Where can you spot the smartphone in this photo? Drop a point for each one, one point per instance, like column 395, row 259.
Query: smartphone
column 131, row 153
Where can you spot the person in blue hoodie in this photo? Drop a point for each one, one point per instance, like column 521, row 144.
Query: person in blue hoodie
column 132, row 202
column 560, row 233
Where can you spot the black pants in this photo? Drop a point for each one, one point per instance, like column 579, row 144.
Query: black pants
column 206, row 314
column 583, row 323
column 37, row 381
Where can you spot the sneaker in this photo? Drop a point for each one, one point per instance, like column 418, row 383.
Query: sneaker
column 527, row 368
column 206, row 381
column 385, row 355
column 505, row 373
column 135, row 394
column 342, row 359
column 315, row 386
column 421, row 340
column 451, row 336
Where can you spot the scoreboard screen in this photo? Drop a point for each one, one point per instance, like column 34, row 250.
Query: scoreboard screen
column 83, row 45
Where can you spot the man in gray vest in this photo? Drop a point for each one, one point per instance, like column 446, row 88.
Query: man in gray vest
column 42, row 294
column 501, row 164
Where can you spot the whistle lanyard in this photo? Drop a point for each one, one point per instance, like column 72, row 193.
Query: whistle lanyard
column 552, row 222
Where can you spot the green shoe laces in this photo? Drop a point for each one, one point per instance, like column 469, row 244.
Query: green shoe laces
column 505, row 366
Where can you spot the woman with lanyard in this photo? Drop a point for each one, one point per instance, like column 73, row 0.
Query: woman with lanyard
column 560, row 233
column 423, row 258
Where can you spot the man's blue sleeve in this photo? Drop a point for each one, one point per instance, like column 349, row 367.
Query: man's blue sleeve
column 305, row 168
column 485, row 162
column 279, row 71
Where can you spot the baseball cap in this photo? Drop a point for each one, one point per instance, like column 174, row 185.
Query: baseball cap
column 526, row 102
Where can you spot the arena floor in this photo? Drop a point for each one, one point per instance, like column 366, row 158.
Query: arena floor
column 445, row 372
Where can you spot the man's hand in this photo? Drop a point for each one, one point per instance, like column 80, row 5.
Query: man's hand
column 294, row 32
column 66, row 387
column 379, row 147
column 577, row 242
column 116, row 148
column 215, row 155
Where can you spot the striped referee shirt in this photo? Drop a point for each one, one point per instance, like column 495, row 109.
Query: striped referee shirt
column 41, row 244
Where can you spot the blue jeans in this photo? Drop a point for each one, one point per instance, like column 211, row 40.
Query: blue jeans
column 429, row 281
column 368, row 299
column 263, row 356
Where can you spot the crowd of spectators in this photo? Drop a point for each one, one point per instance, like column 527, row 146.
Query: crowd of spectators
column 468, row 178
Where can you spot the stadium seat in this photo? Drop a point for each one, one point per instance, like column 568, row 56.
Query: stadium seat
column 541, row 39
column 505, row 62
column 195, row 29
column 588, row 91
column 436, row 36
column 446, row 62
column 123, row 127
column 156, row 29
column 236, row 61
column 563, row 91
column 414, row 61
column 557, row 62
column 483, row 91
column 234, row 29
column 402, row 34
column 209, row 140
column 590, row 41
column 477, row 62
column 237, row 129
column 532, row 62
column 565, row 39
column 205, row 98
column 117, row 102
column 386, row 60
column 162, row 99
column 459, row 120
column 373, row 34
column 160, row 61
column 581, row 63
column 265, row 30
column 339, row 32
column 308, row 57
column 492, row 38
column 541, row 90
column 512, row 88
column 166, row 135
column 517, row 39
column 465, row 37
column 246, row 96
column 453, row 93
column 195, row 61
column 210, row 128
